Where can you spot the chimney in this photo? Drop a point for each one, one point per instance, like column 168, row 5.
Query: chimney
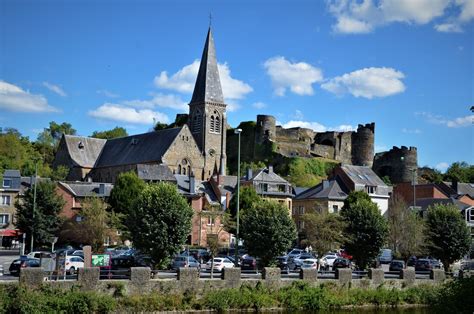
column 270, row 169
column 192, row 183
column 325, row 184
column 101, row 189
column 249, row 174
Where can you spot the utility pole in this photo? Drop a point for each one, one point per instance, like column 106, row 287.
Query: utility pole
column 34, row 206
column 414, row 189
column 237, row 131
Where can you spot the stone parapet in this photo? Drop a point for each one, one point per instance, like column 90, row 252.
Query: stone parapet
column 231, row 276
column 308, row 274
column 438, row 275
column 376, row 275
column 408, row 276
column 88, row 277
column 31, row 277
column 344, row 275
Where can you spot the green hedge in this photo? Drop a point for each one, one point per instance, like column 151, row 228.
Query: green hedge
column 455, row 296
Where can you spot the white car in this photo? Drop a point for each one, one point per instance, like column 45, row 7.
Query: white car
column 220, row 263
column 39, row 254
column 310, row 263
column 328, row 260
column 73, row 263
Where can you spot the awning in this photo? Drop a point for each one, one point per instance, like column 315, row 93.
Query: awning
column 9, row 233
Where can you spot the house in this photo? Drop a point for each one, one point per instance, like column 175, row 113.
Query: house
column 209, row 200
column 197, row 147
column 362, row 178
column 325, row 197
column 270, row 185
column 9, row 192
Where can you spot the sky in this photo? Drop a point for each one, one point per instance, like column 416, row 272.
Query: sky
column 407, row 65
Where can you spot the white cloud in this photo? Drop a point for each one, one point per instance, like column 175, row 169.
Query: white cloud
column 116, row 112
column 159, row 100
column 298, row 77
column 316, row 126
column 411, row 131
column 183, row 81
column 358, row 17
column 259, row 105
column 232, row 106
column 442, row 166
column 368, row 83
column 55, row 89
column 107, row 93
column 450, row 123
column 380, row 148
column 13, row 98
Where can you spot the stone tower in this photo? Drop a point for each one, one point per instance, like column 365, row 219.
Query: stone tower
column 266, row 128
column 363, row 145
column 398, row 164
column 207, row 113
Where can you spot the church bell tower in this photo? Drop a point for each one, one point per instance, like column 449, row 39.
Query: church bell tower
column 207, row 113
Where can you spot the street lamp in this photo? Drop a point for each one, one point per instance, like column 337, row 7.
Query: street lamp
column 237, row 131
column 414, row 189
column 34, row 205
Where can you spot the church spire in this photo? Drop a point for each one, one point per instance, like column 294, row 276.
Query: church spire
column 208, row 85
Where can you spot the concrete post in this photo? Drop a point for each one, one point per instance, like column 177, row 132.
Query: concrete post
column 376, row 275
column 438, row 275
column 344, row 275
column 87, row 256
column 140, row 275
column 270, row 273
column 88, row 278
column 408, row 275
column 231, row 277
column 31, row 277
column 188, row 275
column 307, row 274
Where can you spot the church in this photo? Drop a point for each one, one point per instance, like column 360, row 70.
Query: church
column 197, row 148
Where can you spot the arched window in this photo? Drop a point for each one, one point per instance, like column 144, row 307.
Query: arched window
column 215, row 125
column 184, row 167
column 197, row 122
column 179, row 169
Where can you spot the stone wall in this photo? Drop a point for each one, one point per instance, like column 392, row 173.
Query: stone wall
column 398, row 164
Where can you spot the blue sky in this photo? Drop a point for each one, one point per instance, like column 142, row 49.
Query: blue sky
column 406, row 65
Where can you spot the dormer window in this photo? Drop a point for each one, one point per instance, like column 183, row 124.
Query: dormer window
column 7, row 183
column 134, row 141
column 370, row 189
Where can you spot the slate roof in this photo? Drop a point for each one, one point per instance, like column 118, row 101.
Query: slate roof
column 325, row 190
column 424, row 203
column 155, row 172
column 462, row 188
column 15, row 180
column 11, row 173
column 362, row 175
column 202, row 187
column 84, row 189
column 83, row 150
column 141, row 148
column 208, row 84
column 265, row 175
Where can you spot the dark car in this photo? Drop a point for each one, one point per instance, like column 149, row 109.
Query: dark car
column 411, row 261
column 201, row 255
column 285, row 263
column 249, row 263
column 185, row 261
column 424, row 264
column 341, row 262
column 17, row 265
column 396, row 265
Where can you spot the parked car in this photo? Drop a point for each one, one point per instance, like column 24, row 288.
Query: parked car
column 396, row 265
column 185, row 261
column 341, row 262
column 303, row 256
column 295, row 253
column 437, row 264
column 310, row 263
column 249, row 263
column 200, row 255
column 424, row 264
column 39, row 254
column 327, row 261
column 220, row 263
column 385, row 256
column 72, row 263
column 285, row 263
column 17, row 265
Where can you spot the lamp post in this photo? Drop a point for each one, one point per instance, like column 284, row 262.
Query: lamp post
column 34, row 206
column 414, row 189
column 237, row 131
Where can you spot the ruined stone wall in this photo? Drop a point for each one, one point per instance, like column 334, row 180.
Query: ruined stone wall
column 266, row 129
column 398, row 164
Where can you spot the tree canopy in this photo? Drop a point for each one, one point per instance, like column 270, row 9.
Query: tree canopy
column 46, row 221
column 160, row 221
column 267, row 230
column 365, row 231
column 448, row 235
column 323, row 231
column 109, row 134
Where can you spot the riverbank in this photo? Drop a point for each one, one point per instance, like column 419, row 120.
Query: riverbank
column 455, row 295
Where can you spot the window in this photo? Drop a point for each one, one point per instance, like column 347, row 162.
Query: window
column 7, row 183
column 5, row 200
column 264, row 187
column 301, row 210
column 370, row 189
column 197, row 122
column 4, row 219
column 335, row 208
column 471, row 215
column 210, row 221
column 215, row 123
column 281, row 188
column 79, row 218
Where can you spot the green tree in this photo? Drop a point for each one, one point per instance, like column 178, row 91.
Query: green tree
column 16, row 152
column 160, row 222
column 323, row 231
column 248, row 197
column 448, row 235
column 57, row 130
column 406, row 235
column 109, row 134
column 46, row 221
column 267, row 230
column 460, row 172
column 365, row 231
column 160, row 126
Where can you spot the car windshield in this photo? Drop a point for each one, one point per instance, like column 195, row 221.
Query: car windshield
column 218, row 260
column 308, row 262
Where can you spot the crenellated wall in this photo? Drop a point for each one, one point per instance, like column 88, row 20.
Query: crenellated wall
column 398, row 164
